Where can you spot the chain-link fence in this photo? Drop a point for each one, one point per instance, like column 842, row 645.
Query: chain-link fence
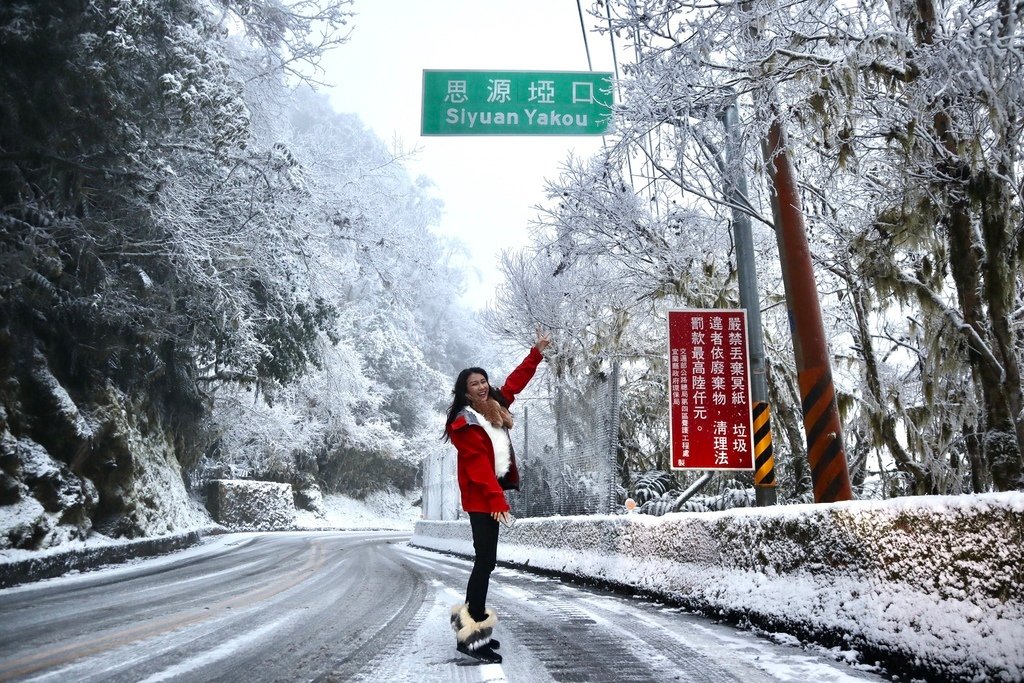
column 565, row 448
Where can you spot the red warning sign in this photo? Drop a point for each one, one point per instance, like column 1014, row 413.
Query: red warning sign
column 709, row 390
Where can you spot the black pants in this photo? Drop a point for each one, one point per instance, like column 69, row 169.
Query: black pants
column 485, row 544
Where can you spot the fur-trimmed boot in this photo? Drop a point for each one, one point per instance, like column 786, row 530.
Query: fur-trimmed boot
column 473, row 637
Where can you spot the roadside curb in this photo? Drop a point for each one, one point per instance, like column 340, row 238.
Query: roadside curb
column 59, row 563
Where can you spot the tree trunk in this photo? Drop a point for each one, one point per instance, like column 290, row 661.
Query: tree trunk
column 1001, row 296
column 984, row 273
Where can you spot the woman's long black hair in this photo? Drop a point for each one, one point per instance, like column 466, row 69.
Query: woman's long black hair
column 459, row 400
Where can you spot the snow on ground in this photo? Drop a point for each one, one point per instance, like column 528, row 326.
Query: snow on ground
column 519, row 595
column 381, row 510
column 934, row 578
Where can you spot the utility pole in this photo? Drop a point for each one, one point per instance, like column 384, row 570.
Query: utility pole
column 526, row 456
column 825, row 452
column 736, row 193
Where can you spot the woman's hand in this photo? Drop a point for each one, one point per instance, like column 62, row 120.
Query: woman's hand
column 543, row 340
column 501, row 517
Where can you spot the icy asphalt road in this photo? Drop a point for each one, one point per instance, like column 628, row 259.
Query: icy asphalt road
column 360, row 606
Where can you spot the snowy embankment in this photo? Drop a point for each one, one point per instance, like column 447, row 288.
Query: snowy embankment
column 246, row 505
column 931, row 586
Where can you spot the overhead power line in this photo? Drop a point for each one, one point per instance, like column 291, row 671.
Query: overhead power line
column 583, row 29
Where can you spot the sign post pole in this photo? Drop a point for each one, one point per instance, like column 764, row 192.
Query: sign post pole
column 764, row 469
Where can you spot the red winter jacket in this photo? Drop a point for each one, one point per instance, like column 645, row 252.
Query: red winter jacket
column 481, row 491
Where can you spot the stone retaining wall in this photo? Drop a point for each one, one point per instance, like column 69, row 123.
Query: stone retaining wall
column 243, row 505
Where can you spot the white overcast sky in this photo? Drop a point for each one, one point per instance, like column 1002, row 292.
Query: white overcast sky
column 488, row 183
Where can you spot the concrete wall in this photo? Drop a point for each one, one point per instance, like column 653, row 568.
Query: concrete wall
column 50, row 564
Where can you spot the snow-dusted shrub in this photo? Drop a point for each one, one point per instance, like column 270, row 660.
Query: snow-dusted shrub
column 656, row 492
column 660, row 505
column 311, row 498
column 651, row 485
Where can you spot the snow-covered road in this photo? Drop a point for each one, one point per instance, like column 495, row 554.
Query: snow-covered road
column 360, row 606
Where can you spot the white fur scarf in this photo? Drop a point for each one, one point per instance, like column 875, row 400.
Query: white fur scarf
column 500, row 441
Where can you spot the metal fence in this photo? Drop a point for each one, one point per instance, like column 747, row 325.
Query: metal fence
column 565, row 448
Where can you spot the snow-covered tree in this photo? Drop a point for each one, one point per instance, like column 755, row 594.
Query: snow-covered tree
column 374, row 401
column 174, row 238
column 902, row 119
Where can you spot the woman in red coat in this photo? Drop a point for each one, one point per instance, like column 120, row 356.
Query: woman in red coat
column 477, row 425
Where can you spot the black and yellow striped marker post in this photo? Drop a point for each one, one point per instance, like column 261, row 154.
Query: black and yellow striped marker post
column 764, row 457
column 825, row 453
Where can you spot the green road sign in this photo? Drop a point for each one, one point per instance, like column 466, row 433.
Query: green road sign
column 516, row 103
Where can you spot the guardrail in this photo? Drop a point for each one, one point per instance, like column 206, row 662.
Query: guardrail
column 47, row 565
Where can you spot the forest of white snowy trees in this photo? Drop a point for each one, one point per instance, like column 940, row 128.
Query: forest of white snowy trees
column 206, row 271
column 200, row 257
